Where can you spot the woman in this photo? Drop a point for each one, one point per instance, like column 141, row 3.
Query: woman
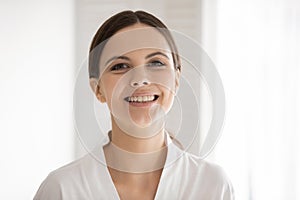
column 134, row 68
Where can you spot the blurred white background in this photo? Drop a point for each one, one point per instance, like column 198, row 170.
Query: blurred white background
column 255, row 45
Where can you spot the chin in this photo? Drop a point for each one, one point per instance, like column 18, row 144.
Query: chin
column 142, row 121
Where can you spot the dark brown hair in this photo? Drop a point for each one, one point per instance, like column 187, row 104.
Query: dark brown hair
column 118, row 22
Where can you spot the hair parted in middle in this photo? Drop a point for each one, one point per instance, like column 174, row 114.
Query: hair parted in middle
column 118, row 22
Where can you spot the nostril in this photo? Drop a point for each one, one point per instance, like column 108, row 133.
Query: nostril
column 137, row 83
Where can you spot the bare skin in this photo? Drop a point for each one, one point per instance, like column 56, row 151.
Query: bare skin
column 135, row 185
column 130, row 184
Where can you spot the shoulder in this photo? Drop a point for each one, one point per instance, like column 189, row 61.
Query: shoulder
column 198, row 164
column 62, row 179
column 209, row 176
column 68, row 171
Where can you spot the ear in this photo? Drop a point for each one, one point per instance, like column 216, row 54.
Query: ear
column 177, row 78
column 97, row 90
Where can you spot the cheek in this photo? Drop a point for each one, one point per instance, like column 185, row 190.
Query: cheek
column 167, row 100
column 108, row 86
column 113, row 86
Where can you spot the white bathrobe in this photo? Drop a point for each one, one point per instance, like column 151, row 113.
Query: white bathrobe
column 184, row 176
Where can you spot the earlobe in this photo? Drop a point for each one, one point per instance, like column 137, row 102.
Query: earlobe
column 97, row 90
column 177, row 77
column 100, row 95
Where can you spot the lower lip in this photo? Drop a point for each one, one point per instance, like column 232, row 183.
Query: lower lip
column 144, row 104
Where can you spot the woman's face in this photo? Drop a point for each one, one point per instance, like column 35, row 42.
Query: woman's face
column 138, row 79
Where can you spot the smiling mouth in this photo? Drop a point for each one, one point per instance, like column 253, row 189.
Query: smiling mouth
column 141, row 99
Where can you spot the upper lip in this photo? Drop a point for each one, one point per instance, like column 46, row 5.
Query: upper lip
column 137, row 94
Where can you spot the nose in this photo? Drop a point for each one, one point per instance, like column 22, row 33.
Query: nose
column 139, row 83
column 139, row 78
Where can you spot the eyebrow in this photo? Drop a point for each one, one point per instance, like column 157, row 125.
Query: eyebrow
column 156, row 53
column 126, row 58
column 117, row 57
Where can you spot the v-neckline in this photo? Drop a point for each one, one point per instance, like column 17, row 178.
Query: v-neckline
column 169, row 143
column 116, row 193
column 111, row 182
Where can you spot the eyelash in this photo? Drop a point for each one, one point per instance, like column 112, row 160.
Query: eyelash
column 156, row 63
column 120, row 66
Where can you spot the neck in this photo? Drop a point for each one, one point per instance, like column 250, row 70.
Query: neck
column 129, row 154
column 133, row 144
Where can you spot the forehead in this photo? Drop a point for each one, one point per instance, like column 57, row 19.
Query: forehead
column 129, row 39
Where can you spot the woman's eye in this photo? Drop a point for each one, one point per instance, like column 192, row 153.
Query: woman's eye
column 119, row 67
column 155, row 63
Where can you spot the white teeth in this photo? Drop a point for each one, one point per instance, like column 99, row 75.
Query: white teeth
column 151, row 98
column 141, row 98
